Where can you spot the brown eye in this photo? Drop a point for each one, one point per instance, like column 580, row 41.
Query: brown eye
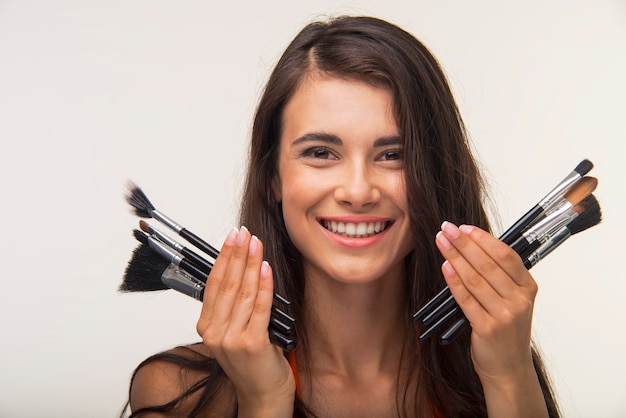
column 320, row 153
column 392, row 155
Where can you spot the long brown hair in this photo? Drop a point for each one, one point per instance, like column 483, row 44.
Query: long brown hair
column 442, row 183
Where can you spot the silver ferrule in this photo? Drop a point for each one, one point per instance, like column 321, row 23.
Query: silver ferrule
column 166, row 221
column 175, row 278
column 549, row 246
column 554, row 195
column 551, row 225
column 166, row 240
column 164, row 252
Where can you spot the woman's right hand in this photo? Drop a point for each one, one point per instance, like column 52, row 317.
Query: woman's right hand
column 234, row 325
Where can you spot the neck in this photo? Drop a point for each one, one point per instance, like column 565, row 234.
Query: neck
column 356, row 329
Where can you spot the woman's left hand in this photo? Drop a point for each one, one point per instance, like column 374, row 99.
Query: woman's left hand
column 496, row 293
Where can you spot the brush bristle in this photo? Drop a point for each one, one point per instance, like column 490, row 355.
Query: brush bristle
column 139, row 201
column 584, row 167
column 143, row 272
column 145, row 226
column 592, row 216
column 140, row 236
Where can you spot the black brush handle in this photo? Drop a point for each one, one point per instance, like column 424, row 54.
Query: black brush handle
column 439, row 323
column 453, row 331
column 515, row 231
column 440, row 311
column 440, row 297
column 286, row 343
column 202, row 245
column 197, row 261
column 194, row 271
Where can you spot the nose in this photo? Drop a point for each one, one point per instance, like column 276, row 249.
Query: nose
column 356, row 187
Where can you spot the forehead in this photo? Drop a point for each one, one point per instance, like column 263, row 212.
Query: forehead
column 322, row 102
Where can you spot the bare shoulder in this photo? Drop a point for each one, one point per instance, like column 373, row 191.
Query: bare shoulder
column 177, row 379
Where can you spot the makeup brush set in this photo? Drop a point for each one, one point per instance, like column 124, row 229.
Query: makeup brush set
column 160, row 262
column 568, row 209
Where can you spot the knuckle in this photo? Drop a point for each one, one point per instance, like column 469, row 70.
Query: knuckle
column 490, row 267
column 227, row 286
column 474, row 281
column 245, row 294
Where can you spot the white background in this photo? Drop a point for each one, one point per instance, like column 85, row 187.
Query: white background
column 93, row 93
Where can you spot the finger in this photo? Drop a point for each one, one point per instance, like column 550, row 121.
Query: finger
column 459, row 262
column 477, row 268
column 248, row 290
column 215, row 278
column 265, row 296
column 501, row 253
column 471, row 307
column 231, row 281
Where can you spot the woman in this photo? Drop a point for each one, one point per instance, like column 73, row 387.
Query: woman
column 358, row 155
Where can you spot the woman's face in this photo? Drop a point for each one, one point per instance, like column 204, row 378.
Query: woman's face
column 340, row 180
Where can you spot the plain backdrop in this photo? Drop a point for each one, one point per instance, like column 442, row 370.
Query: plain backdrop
column 95, row 92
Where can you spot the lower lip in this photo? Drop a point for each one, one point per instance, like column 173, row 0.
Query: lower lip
column 354, row 242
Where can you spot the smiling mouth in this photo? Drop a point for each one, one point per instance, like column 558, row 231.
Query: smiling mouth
column 355, row 230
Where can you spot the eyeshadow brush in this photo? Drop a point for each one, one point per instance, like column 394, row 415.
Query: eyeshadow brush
column 204, row 265
column 145, row 209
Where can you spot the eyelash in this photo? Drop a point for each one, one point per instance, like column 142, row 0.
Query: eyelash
column 315, row 152
column 399, row 154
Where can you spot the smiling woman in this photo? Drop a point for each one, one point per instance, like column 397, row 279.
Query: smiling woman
column 358, row 155
column 350, row 175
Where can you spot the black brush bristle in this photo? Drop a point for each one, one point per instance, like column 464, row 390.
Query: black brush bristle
column 592, row 216
column 584, row 167
column 140, row 236
column 139, row 201
column 143, row 272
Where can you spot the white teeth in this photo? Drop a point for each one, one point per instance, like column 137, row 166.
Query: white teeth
column 352, row 230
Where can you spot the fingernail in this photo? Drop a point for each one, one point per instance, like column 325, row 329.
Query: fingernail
column 265, row 268
column 450, row 229
column 232, row 235
column 466, row 229
column 443, row 241
column 254, row 244
column 447, row 268
column 243, row 234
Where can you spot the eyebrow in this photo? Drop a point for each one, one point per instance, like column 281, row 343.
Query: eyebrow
column 335, row 140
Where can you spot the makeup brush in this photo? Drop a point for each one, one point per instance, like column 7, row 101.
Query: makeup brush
column 548, row 202
column 531, row 239
column 195, row 259
column 587, row 219
column 545, row 229
column 148, row 271
column 171, row 257
column 145, row 209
